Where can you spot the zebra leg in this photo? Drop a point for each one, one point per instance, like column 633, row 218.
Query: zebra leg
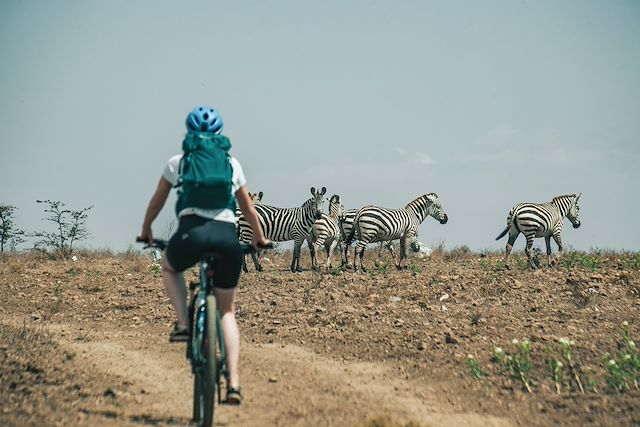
column 527, row 250
column 345, row 255
column 312, row 252
column 547, row 241
column 256, row 262
column 510, row 242
column 329, row 249
column 244, row 264
column 358, row 253
column 389, row 246
column 558, row 240
column 295, row 262
column 403, row 253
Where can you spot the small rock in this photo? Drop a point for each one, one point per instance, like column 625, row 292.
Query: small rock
column 273, row 379
column 421, row 346
column 444, row 297
column 449, row 339
column 111, row 392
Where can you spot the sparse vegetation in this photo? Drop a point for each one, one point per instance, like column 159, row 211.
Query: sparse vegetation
column 70, row 228
column 10, row 235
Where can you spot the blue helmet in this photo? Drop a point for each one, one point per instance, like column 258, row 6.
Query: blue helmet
column 204, row 119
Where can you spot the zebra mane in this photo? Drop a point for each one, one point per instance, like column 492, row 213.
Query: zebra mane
column 566, row 196
column 419, row 204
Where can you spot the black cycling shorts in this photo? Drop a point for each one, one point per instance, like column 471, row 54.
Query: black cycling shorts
column 196, row 236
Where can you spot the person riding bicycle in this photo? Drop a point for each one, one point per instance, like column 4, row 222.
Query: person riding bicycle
column 205, row 230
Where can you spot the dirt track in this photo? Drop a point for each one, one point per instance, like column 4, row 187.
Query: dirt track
column 382, row 348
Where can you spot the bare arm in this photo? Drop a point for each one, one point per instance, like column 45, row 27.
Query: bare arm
column 250, row 214
column 155, row 206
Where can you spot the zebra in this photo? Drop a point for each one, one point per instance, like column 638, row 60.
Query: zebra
column 282, row 224
column 256, row 198
column 326, row 232
column 346, row 224
column 375, row 224
column 540, row 220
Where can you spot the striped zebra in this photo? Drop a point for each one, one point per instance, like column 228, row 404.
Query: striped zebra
column 256, row 198
column 346, row 224
column 540, row 220
column 326, row 232
column 282, row 224
column 375, row 224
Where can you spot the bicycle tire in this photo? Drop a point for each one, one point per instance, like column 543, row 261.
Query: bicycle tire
column 211, row 365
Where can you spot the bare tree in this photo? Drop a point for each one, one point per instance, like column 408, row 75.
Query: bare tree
column 70, row 227
column 9, row 234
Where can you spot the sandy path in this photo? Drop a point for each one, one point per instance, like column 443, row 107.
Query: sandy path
column 283, row 386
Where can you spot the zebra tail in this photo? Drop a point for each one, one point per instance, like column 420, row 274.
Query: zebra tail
column 505, row 231
column 352, row 232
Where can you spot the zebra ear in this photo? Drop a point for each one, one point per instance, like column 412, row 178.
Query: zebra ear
column 578, row 198
column 313, row 191
column 324, row 190
column 260, row 195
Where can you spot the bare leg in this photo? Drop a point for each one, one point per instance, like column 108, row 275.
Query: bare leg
column 176, row 291
column 226, row 304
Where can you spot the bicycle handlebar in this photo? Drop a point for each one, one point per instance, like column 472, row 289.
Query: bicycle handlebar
column 161, row 244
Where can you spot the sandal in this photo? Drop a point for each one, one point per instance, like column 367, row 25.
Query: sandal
column 234, row 396
column 179, row 334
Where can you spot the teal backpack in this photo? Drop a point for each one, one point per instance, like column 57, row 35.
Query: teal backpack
column 205, row 173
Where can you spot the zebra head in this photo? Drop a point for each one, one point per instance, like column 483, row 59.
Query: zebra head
column 434, row 209
column 317, row 202
column 335, row 207
column 256, row 198
column 574, row 211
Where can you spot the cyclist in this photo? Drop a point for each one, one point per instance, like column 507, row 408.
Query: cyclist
column 201, row 231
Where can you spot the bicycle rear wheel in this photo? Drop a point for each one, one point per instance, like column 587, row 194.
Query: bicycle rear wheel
column 205, row 377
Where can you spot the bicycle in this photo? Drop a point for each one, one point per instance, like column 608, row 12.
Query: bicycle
column 204, row 339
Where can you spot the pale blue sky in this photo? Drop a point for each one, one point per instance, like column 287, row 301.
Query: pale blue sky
column 486, row 103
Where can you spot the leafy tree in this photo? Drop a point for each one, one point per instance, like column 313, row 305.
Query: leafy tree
column 9, row 234
column 70, row 227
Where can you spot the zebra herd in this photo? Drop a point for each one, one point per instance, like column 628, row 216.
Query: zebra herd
column 371, row 224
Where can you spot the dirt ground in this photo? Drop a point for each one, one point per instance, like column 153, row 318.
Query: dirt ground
column 85, row 343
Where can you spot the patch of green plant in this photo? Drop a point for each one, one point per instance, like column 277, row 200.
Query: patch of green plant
column 335, row 271
column 155, row 269
column 516, row 363
column 583, row 259
column 381, row 266
column 623, row 368
column 631, row 261
column 485, row 264
column 474, row 366
column 57, row 291
column 500, row 265
column 416, row 269
column 522, row 263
